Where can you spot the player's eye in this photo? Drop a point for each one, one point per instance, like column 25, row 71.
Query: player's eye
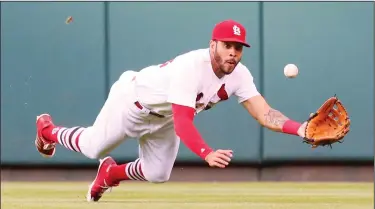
column 238, row 47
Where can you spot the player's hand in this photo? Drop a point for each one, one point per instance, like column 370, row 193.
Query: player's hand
column 301, row 130
column 219, row 158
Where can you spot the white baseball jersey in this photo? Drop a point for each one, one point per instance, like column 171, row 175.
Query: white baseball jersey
column 189, row 80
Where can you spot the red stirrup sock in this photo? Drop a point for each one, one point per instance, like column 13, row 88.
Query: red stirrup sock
column 67, row 137
column 128, row 171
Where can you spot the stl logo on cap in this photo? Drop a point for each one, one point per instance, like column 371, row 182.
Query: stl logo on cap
column 230, row 30
column 236, row 30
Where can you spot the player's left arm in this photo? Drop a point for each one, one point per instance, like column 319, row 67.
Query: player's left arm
column 258, row 107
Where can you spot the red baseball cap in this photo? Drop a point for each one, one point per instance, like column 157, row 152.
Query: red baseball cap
column 230, row 30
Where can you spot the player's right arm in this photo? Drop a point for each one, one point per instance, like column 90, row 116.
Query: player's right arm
column 189, row 135
column 184, row 85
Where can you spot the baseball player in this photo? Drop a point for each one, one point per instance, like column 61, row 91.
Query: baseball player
column 157, row 105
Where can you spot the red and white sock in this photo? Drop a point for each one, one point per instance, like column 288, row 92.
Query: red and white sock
column 67, row 137
column 128, row 171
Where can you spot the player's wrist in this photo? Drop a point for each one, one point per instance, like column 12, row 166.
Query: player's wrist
column 205, row 153
column 291, row 127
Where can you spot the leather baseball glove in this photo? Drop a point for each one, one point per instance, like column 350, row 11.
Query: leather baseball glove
column 328, row 125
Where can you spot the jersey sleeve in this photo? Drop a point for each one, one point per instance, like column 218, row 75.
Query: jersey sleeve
column 246, row 88
column 184, row 81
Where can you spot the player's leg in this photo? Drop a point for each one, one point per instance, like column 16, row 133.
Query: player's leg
column 110, row 174
column 107, row 132
column 157, row 154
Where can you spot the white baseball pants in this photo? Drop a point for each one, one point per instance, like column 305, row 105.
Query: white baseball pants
column 119, row 119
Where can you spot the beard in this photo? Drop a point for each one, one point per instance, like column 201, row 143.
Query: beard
column 223, row 68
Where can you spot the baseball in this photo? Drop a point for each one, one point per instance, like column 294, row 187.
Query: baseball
column 291, row 70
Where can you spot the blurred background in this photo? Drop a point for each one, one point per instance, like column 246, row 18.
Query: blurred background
column 66, row 69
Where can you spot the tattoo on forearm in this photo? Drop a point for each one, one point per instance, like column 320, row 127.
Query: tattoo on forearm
column 275, row 118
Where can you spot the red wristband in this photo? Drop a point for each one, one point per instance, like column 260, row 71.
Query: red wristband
column 291, row 127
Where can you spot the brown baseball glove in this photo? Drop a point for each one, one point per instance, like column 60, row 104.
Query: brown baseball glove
column 328, row 125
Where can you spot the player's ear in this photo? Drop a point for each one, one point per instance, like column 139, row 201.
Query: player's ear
column 212, row 44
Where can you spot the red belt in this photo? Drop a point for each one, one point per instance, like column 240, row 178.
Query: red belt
column 151, row 112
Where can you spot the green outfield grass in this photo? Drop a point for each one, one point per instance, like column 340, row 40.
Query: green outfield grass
column 171, row 195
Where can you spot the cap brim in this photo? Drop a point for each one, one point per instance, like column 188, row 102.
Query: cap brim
column 234, row 40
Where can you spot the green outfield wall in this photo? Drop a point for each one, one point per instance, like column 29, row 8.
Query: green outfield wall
column 67, row 69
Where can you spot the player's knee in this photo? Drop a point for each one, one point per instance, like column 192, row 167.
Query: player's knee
column 95, row 151
column 95, row 154
column 158, row 177
column 92, row 155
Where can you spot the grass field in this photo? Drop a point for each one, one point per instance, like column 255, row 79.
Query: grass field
column 173, row 195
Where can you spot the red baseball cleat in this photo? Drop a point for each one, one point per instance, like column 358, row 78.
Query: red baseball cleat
column 46, row 148
column 102, row 180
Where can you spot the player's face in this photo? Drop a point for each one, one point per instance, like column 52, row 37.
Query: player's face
column 227, row 55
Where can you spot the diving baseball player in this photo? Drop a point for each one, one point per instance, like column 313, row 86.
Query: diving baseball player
column 157, row 105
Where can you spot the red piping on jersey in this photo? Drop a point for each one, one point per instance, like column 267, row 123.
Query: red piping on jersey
column 183, row 121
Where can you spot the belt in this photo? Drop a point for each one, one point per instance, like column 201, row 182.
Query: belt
column 147, row 110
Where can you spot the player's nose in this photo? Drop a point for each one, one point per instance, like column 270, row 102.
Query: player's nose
column 233, row 52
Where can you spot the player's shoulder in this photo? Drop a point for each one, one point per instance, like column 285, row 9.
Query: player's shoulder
column 196, row 56
column 241, row 70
